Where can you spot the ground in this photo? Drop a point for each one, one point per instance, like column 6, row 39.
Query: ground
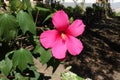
column 100, row 59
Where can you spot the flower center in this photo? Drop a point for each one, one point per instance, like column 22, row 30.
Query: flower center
column 63, row 36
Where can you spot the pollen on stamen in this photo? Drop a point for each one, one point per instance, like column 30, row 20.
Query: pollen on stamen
column 63, row 36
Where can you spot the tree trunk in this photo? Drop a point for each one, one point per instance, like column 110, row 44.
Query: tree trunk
column 83, row 6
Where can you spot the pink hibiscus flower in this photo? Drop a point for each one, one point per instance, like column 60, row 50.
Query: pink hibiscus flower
column 62, row 38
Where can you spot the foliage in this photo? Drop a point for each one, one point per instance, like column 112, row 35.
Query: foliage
column 26, row 22
column 45, row 55
column 8, row 27
column 68, row 75
column 117, row 14
column 26, row 58
column 20, row 26
column 18, row 33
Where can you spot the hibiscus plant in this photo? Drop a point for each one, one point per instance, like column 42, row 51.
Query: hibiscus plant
column 22, row 41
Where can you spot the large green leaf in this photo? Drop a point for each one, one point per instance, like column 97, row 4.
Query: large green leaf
column 8, row 27
column 26, row 22
column 45, row 55
column 22, row 58
column 5, row 66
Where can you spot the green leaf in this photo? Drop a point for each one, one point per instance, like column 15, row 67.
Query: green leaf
column 5, row 66
column 45, row 55
column 36, row 73
column 8, row 27
column 26, row 22
column 71, row 20
column 70, row 76
column 43, row 9
column 48, row 17
column 26, row 5
column 3, row 78
column 11, row 34
column 18, row 76
column 37, row 49
column 15, row 5
column 21, row 59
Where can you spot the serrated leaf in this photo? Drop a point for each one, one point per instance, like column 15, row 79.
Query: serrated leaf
column 37, row 49
column 21, row 59
column 8, row 27
column 5, row 66
column 45, row 55
column 26, row 22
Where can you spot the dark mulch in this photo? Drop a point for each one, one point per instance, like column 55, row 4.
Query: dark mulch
column 100, row 59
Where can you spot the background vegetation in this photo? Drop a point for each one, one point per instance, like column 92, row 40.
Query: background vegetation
column 20, row 27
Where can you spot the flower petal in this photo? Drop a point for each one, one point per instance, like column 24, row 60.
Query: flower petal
column 60, row 20
column 47, row 38
column 74, row 45
column 76, row 28
column 59, row 49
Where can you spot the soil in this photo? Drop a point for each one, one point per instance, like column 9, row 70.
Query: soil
column 100, row 59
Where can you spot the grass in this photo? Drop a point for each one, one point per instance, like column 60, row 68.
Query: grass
column 117, row 14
